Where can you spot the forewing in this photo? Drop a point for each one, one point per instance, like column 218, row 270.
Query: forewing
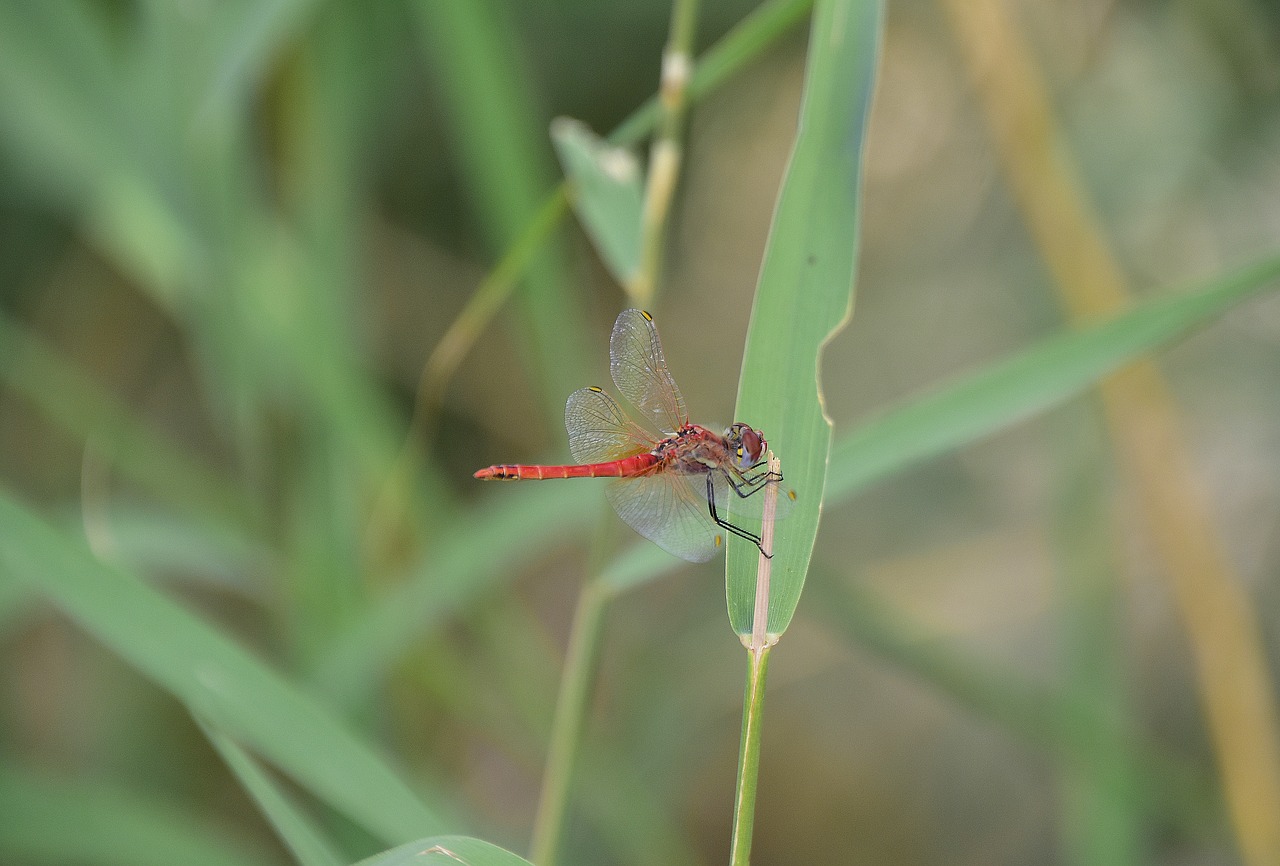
column 663, row 508
column 640, row 372
column 599, row 430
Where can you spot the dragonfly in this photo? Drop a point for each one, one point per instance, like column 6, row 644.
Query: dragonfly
column 681, row 489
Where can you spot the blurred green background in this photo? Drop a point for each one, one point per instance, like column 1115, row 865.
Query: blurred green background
column 231, row 236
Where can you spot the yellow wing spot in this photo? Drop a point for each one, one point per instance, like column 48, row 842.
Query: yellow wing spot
column 596, row 389
column 792, row 495
column 719, row 540
column 645, row 313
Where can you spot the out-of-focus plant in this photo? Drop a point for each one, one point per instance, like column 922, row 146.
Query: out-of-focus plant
column 220, row 394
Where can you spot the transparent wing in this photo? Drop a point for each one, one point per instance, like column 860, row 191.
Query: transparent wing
column 664, row 509
column 640, row 372
column 599, row 431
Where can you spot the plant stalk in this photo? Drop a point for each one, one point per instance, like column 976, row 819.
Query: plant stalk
column 1235, row 683
column 566, row 726
column 758, row 645
column 744, row 807
column 666, row 154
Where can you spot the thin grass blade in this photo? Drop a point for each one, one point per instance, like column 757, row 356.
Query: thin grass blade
column 504, row 158
column 473, row 557
column 307, row 844
column 1059, row 367
column 214, row 677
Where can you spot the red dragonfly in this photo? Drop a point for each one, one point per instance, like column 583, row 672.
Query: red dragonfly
column 673, row 489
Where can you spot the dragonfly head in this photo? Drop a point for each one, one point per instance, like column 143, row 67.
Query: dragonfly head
column 749, row 447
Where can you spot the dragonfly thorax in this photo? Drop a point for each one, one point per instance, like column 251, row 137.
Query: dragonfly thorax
column 694, row 450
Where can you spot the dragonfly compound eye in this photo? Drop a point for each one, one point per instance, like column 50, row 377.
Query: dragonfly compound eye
column 750, row 446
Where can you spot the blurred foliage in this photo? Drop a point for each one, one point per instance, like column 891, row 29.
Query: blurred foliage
column 232, row 233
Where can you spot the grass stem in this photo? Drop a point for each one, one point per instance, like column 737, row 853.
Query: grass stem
column 1235, row 684
column 758, row 644
column 667, row 152
column 566, row 726
column 744, row 806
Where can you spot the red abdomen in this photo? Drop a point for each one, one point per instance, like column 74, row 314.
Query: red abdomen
column 623, row 468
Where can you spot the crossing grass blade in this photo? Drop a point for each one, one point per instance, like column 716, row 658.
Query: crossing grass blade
column 805, row 294
column 1051, row 371
column 474, row 555
column 304, row 840
column 446, row 851
column 216, row 679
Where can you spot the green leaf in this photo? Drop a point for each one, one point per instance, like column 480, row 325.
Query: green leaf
column 605, row 190
column 307, row 844
column 805, row 295
column 52, row 820
column 215, row 678
column 242, row 38
column 446, row 851
column 1050, row 372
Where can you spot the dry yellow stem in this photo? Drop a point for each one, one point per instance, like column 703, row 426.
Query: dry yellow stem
column 1142, row 418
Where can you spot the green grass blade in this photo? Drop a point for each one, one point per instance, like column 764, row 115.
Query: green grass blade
column 446, row 851
column 243, row 38
column 637, row 565
column 17, row 601
column 70, row 400
column 59, row 106
column 501, row 144
column 480, row 551
column 605, row 191
column 155, row 543
column 805, row 294
column 1050, row 372
column 307, row 844
column 85, row 138
column 1057, row 718
column 214, row 677
column 1098, row 787
column 51, row 820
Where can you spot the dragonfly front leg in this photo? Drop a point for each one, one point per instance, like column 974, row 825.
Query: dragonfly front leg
column 749, row 484
column 736, row 530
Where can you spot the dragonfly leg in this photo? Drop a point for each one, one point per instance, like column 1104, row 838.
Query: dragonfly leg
column 749, row 484
column 736, row 530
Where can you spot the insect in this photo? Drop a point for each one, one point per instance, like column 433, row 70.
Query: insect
column 678, row 489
